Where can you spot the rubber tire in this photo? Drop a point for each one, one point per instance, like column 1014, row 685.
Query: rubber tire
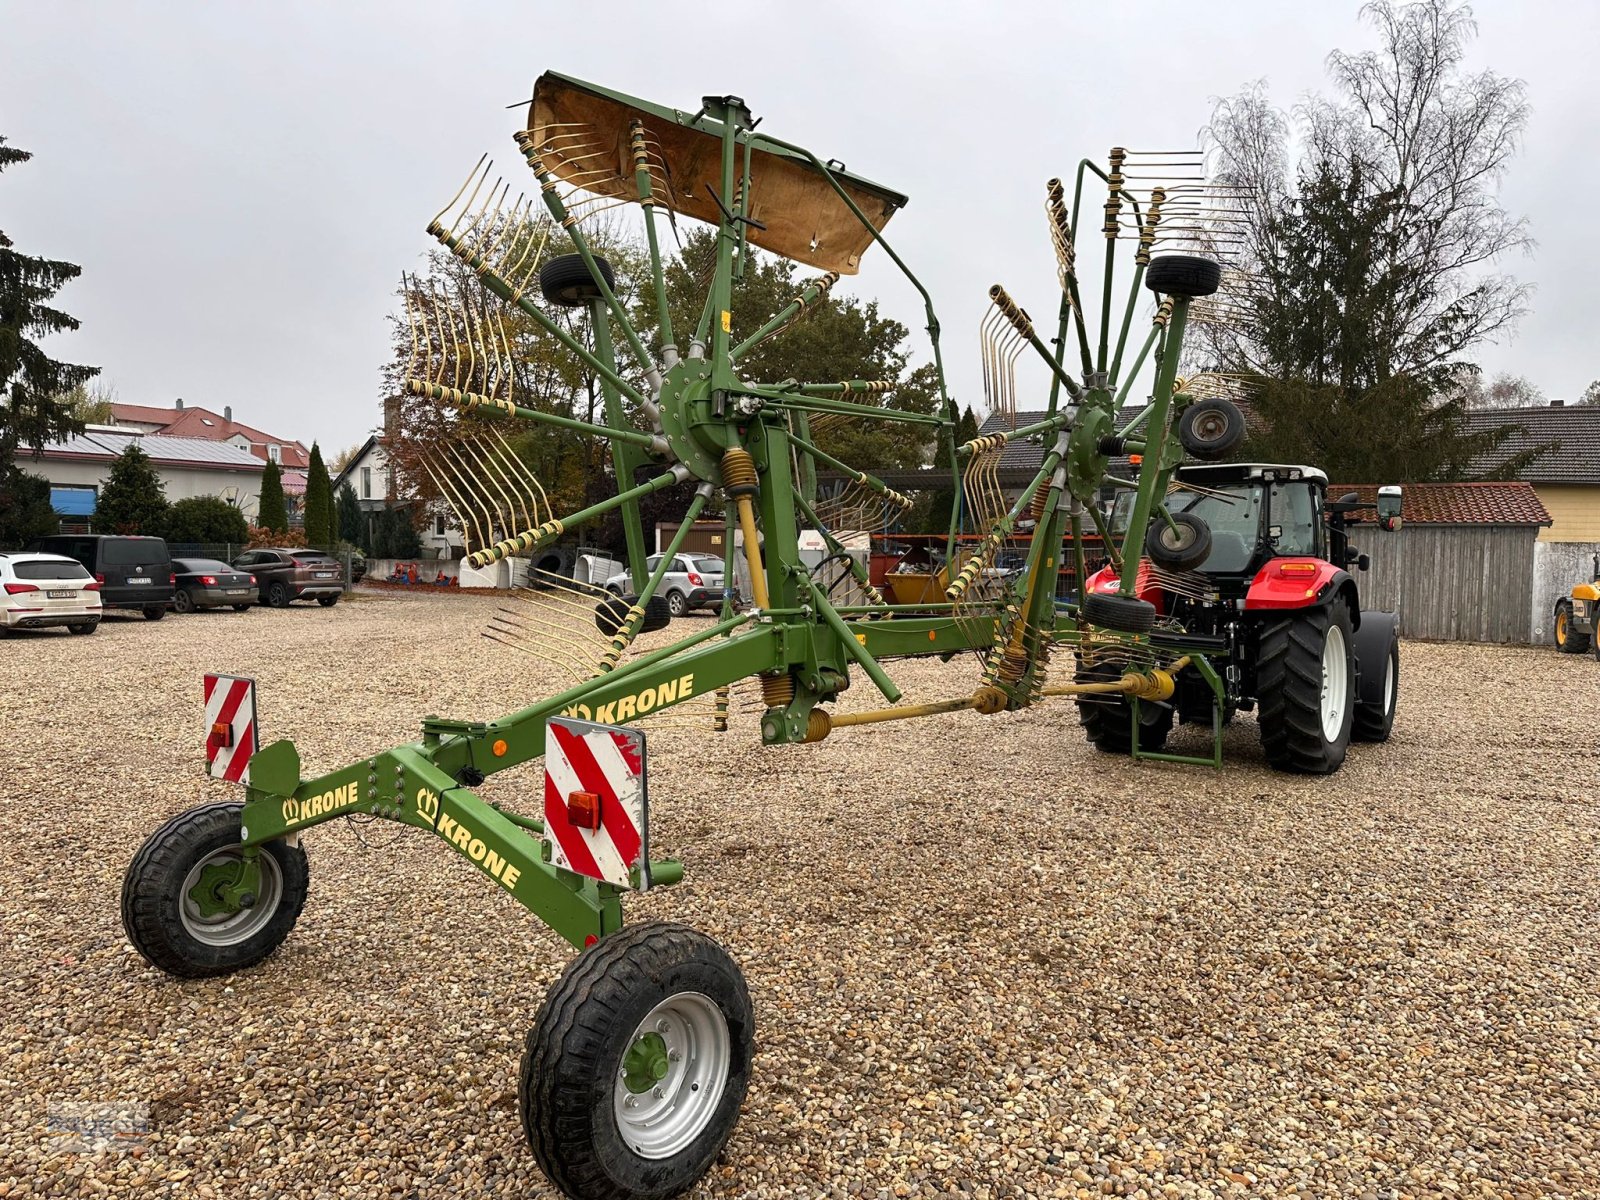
column 1188, row 554
column 327, row 601
column 677, row 603
column 1575, row 642
column 150, row 896
column 182, row 601
column 1108, row 720
column 83, row 627
column 575, row 1048
column 1289, row 690
column 278, row 594
column 1371, row 723
column 1127, row 614
column 560, row 560
column 1219, row 445
column 1183, row 275
column 609, row 614
column 155, row 612
column 241, row 608
column 566, row 280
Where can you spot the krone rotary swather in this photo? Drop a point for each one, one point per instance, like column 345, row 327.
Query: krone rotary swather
column 639, row 1059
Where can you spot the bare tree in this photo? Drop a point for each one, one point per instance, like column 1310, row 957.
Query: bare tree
column 1503, row 391
column 1428, row 138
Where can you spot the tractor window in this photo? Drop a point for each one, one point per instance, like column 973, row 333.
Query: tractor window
column 1234, row 515
column 1292, row 524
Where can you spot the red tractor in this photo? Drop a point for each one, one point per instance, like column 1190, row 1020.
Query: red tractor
column 1249, row 569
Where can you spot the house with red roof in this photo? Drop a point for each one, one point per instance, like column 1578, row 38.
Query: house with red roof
column 191, row 421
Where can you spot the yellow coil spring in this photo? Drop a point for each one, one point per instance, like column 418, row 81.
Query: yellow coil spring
column 982, row 445
column 777, row 690
column 738, row 471
column 980, row 557
column 1152, row 218
column 818, row 725
column 1036, row 508
column 719, row 718
column 1020, row 321
column 1114, row 194
column 631, row 622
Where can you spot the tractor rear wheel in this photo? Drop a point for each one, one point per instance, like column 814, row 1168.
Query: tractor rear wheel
column 1568, row 639
column 1108, row 720
column 181, row 904
column 637, row 1064
column 1305, row 685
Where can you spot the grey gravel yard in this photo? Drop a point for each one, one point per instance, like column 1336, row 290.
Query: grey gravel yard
column 986, row 960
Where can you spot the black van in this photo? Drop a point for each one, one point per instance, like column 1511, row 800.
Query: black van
column 134, row 572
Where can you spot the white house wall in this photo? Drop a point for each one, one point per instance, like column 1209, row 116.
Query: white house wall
column 181, row 483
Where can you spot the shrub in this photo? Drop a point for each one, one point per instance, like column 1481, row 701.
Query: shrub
column 206, row 519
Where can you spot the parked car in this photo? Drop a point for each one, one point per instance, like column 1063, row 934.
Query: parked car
column 284, row 576
column 133, row 572
column 38, row 590
column 207, row 583
column 693, row 581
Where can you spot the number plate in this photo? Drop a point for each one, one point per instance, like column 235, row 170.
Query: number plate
column 324, row 574
column 236, row 592
column 138, row 579
column 61, row 594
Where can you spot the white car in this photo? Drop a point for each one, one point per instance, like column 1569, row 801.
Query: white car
column 38, row 590
column 692, row 581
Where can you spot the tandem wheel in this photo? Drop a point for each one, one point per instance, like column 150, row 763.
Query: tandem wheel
column 190, row 905
column 637, row 1064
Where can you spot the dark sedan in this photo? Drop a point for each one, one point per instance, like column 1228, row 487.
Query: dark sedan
column 207, row 583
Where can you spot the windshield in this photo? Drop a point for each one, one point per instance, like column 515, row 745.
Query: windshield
column 1234, row 515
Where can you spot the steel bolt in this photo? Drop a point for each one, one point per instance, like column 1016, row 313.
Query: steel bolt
column 659, row 1094
column 674, row 1055
column 663, row 1025
column 630, row 1101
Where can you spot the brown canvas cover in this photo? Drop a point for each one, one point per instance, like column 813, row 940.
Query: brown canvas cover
column 805, row 219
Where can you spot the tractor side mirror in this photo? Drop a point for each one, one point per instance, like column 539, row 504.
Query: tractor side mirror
column 1389, row 508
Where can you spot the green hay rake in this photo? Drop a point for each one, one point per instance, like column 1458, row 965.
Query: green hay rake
column 639, row 1059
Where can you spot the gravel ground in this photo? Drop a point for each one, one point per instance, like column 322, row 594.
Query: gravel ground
column 986, row 960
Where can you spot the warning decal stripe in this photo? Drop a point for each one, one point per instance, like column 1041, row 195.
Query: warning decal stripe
column 618, row 824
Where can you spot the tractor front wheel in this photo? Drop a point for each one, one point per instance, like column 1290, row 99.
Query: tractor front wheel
column 1568, row 639
column 193, row 907
column 1305, row 683
column 636, row 1067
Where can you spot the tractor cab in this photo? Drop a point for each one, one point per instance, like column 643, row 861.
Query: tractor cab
column 1253, row 513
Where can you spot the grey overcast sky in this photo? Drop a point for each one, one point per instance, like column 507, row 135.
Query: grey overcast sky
column 242, row 183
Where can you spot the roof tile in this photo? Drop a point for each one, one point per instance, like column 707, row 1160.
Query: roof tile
column 1574, row 427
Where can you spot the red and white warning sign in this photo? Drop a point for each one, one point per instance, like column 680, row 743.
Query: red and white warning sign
column 595, row 808
column 231, row 736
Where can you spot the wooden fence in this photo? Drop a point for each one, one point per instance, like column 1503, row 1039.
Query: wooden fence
column 1467, row 583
